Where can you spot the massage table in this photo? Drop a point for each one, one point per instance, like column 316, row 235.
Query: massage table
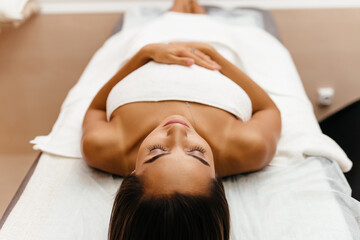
column 62, row 197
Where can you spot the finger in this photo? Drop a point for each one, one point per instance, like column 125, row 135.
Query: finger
column 192, row 53
column 202, row 55
column 185, row 61
column 207, row 59
column 209, row 64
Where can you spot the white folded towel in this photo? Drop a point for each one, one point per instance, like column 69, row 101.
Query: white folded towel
column 14, row 12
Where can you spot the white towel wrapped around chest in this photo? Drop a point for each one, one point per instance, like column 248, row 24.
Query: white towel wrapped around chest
column 160, row 82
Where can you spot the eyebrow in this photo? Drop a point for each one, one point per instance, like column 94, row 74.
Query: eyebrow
column 163, row 154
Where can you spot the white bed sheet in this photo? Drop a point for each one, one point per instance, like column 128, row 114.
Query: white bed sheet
column 66, row 199
column 298, row 198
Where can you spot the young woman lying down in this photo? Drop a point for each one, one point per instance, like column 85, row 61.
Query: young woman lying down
column 174, row 139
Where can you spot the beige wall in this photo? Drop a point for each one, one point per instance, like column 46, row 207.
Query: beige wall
column 324, row 44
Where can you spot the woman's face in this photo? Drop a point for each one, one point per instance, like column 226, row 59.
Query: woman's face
column 174, row 158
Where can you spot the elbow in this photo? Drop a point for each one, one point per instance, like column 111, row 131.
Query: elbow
column 102, row 153
column 89, row 148
column 267, row 151
column 263, row 152
column 85, row 150
column 260, row 155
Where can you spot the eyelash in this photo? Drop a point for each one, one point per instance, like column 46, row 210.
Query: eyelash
column 198, row 148
column 153, row 147
column 195, row 148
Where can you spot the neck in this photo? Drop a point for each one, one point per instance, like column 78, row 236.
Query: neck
column 169, row 108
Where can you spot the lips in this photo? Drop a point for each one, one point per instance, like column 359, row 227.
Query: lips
column 176, row 121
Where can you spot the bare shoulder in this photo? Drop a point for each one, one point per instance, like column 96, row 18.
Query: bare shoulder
column 102, row 149
column 250, row 146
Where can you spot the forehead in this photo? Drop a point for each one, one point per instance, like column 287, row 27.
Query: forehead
column 177, row 161
column 173, row 173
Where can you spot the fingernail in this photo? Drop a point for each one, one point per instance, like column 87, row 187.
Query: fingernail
column 190, row 62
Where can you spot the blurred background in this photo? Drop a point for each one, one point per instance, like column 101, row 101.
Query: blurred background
column 46, row 44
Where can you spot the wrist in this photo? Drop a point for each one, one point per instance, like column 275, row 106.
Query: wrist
column 148, row 51
column 145, row 53
column 209, row 50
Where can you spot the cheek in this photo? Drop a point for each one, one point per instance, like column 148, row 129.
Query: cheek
column 148, row 139
column 209, row 152
column 207, row 147
column 143, row 147
column 141, row 154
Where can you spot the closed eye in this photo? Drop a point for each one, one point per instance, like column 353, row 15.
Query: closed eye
column 163, row 154
column 155, row 157
column 201, row 160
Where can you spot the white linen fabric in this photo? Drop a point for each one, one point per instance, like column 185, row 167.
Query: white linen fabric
column 11, row 10
column 308, row 199
column 258, row 53
column 159, row 82
column 14, row 12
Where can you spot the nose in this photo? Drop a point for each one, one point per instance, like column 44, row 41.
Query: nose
column 177, row 133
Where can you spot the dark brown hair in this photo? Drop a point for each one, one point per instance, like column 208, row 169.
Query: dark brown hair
column 138, row 216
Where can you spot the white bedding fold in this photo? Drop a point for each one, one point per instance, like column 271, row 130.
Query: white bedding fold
column 310, row 199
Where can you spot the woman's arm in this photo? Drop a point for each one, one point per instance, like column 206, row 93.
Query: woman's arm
column 259, row 98
column 250, row 145
column 101, row 147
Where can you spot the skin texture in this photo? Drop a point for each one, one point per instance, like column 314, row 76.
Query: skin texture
column 232, row 146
